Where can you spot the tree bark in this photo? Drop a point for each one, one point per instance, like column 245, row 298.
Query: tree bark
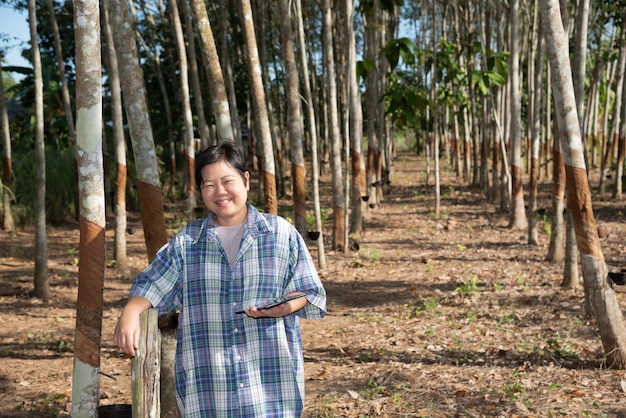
column 533, row 235
column 621, row 147
column 92, row 219
column 371, row 97
column 358, row 179
column 274, row 111
column 227, row 67
column 219, row 98
column 153, row 53
column 616, row 111
column 579, row 65
column 189, row 141
column 556, row 248
column 258, row 100
column 312, row 125
column 294, row 121
column 339, row 205
column 518, row 214
column 203, row 127
column 120, row 218
column 604, row 303
column 42, row 283
column 571, row 278
column 133, row 92
column 7, row 166
column 65, row 93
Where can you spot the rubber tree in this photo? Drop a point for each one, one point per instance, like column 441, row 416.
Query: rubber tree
column 339, row 200
column 194, row 77
column 92, row 219
column 65, row 92
column 117, row 119
column 295, row 129
column 217, row 88
column 189, row 141
column 42, row 280
column 518, row 214
column 134, row 95
column 312, row 129
column 7, row 165
column 603, row 301
column 268, row 177
column 537, row 54
column 357, row 161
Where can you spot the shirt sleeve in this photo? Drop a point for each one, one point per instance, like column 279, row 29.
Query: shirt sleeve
column 304, row 278
column 160, row 281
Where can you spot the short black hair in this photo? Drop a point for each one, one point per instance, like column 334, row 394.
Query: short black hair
column 227, row 151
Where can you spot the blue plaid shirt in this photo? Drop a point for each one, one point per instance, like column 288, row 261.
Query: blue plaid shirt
column 227, row 364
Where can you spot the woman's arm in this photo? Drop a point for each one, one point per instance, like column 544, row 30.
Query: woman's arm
column 284, row 309
column 128, row 325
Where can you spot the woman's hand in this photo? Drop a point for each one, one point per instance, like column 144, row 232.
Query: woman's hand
column 278, row 311
column 128, row 328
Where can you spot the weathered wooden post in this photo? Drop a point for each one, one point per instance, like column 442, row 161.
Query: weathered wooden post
column 168, row 325
column 146, row 368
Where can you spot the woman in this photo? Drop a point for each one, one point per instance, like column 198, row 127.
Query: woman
column 231, row 364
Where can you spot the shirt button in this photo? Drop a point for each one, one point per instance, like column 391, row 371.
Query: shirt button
column 238, row 358
column 241, row 385
column 236, row 330
column 234, row 303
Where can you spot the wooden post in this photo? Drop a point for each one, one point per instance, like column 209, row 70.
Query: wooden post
column 168, row 325
column 146, row 368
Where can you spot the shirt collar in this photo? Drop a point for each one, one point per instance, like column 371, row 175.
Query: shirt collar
column 256, row 222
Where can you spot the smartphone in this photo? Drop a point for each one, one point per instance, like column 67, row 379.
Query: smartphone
column 278, row 301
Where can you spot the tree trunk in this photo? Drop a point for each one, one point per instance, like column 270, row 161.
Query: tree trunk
column 312, row 125
column 226, row 61
column 258, row 100
column 92, row 220
column 616, row 112
column 557, row 236
column 592, row 116
column 65, row 93
column 221, row 108
column 42, row 284
column 580, row 55
column 134, row 95
column 203, row 127
column 359, row 183
column 518, row 215
column 435, row 108
column 550, row 124
column 533, row 235
column 120, row 221
column 604, row 302
column 7, row 166
column 294, row 122
column 608, row 81
column 371, row 97
column 189, row 142
column 621, row 147
column 339, row 205
column 274, row 114
column 571, row 278
column 158, row 68
column 621, row 156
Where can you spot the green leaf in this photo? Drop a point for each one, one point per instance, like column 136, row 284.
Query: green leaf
column 496, row 78
column 364, row 67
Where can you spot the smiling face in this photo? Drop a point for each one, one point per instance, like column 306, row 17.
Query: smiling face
column 225, row 192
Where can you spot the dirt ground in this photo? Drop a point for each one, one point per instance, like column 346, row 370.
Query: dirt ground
column 454, row 316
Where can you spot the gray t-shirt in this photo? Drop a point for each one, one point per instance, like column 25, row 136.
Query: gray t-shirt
column 231, row 239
